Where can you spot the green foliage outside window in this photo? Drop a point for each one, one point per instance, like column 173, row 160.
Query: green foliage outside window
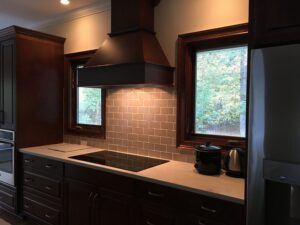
column 221, row 81
column 89, row 106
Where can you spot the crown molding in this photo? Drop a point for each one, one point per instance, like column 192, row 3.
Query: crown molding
column 74, row 14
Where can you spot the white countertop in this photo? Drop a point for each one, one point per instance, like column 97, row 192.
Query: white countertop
column 175, row 174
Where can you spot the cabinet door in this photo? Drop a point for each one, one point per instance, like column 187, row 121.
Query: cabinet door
column 113, row 208
column 275, row 21
column 79, row 203
column 7, row 84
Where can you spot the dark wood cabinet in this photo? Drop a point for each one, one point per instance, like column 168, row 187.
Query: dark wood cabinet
column 31, row 92
column 92, row 204
column 31, row 86
column 274, row 22
column 7, row 84
column 81, row 203
column 83, row 196
column 42, row 190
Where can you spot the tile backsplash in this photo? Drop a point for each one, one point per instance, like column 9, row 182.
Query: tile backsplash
column 140, row 121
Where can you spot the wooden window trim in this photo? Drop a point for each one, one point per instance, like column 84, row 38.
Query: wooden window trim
column 188, row 45
column 71, row 126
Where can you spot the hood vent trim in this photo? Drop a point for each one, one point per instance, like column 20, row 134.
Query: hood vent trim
column 131, row 55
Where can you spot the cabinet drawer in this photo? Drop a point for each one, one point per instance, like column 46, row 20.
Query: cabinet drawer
column 7, row 198
column 158, row 193
column 43, row 184
column 41, row 211
column 196, row 220
column 156, row 216
column 47, row 166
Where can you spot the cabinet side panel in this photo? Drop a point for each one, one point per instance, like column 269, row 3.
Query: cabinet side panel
column 39, row 88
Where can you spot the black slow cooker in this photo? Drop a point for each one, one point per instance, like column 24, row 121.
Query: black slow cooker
column 208, row 159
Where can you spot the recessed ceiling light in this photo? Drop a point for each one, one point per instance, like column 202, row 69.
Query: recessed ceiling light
column 65, row 2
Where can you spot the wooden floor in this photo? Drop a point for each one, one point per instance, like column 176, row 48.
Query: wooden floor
column 7, row 219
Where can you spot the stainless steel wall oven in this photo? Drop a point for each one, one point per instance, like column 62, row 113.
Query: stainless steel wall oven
column 7, row 156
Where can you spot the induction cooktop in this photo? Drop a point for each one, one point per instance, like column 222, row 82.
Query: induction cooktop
column 119, row 160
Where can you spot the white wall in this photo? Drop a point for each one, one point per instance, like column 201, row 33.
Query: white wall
column 172, row 17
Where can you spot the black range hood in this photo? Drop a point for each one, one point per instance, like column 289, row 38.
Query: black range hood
column 131, row 55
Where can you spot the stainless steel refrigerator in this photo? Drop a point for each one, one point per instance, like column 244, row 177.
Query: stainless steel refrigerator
column 273, row 185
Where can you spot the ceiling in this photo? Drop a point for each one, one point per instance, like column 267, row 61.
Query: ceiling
column 33, row 13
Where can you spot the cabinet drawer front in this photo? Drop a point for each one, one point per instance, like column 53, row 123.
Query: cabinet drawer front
column 158, row 193
column 156, row 217
column 47, row 166
column 41, row 211
column 7, row 198
column 43, row 184
column 196, row 220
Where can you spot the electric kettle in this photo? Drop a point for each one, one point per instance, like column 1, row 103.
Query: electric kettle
column 235, row 163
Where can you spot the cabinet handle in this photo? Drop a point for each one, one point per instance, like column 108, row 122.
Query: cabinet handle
column 201, row 223
column 48, row 166
column 156, row 195
column 48, row 216
column 48, row 188
column 28, row 180
column 149, row 223
column 26, row 206
column 94, row 199
column 208, row 209
column 28, row 160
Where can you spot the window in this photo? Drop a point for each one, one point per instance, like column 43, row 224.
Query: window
column 212, row 87
column 86, row 105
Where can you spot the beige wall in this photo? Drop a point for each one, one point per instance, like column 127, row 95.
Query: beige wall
column 82, row 34
column 173, row 17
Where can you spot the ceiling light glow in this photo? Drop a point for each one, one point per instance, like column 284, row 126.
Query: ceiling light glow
column 65, row 2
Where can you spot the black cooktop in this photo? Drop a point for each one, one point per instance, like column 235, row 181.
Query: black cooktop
column 120, row 160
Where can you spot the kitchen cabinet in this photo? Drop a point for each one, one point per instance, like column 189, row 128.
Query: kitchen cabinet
column 31, row 94
column 88, row 205
column 274, row 22
column 7, row 84
column 31, row 86
column 83, row 196
column 81, row 203
column 42, row 190
column 95, row 202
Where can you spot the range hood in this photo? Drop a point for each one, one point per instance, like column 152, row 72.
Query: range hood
column 131, row 55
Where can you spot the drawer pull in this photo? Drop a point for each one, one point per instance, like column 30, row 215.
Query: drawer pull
column 26, row 206
column 48, row 166
column 201, row 223
column 48, row 216
column 208, row 209
column 149, row 223
column 28, row 160
column 48, row 188
column 156, row 195
column 28, row 180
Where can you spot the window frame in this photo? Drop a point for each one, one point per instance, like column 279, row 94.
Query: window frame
column 71, row 126
column 188, row 45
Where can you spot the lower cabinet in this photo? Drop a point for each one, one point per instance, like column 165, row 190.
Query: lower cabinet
column 75, row 195
column 91, row 205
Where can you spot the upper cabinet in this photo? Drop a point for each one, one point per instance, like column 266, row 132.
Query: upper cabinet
column 274, row 22
column 7, row 84
column 31, row 86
